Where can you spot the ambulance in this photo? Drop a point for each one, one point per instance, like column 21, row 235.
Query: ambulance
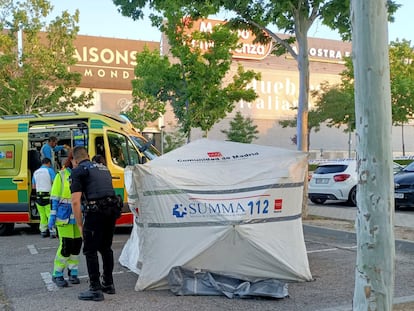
column 22, row 136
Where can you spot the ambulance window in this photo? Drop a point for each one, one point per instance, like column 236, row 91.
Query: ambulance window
column 10, row 157
column 134, row 156
column 122, row 150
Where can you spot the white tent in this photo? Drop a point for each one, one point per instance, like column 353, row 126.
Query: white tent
column 229, row 208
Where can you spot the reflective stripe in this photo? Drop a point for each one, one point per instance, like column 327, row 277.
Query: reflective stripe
column 67, row 201
column 247, row 189
column 220, row 223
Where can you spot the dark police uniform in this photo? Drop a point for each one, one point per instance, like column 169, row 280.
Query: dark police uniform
column 95, row 182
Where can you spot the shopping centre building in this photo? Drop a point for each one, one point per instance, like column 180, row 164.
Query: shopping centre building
column 107, row 67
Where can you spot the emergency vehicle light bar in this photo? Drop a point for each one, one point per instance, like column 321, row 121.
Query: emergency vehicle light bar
column 20, row 116
column 58, row 114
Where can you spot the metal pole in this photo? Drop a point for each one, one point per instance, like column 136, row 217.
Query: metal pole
column 162, row 140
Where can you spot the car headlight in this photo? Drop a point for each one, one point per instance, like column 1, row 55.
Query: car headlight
column 396, row 186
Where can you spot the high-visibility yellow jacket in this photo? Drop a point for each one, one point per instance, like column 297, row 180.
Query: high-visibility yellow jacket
column 60, row 195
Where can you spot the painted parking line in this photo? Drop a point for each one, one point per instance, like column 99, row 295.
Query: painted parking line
column 330, row 249
column 47, row 278
column 51, row 286
column 32, row 249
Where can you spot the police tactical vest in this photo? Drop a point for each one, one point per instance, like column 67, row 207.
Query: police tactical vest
column 99, row 182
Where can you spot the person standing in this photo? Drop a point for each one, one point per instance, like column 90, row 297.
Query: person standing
column 48, row 150
column 61, row 216
column 42, row 181
column 91, row 183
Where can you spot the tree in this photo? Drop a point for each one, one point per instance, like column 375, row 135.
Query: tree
column 291, row 16
column 335, row 103
column 195, row 82
column 314, row 123
column 173, row 140
column 35, row 59
column 374, row 272
column 402, row 84
column 241, row 130
column 150, row 88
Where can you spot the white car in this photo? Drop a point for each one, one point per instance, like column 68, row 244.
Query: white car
column 334, row 181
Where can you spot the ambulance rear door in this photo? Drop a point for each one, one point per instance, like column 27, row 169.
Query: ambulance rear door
column 15, row 185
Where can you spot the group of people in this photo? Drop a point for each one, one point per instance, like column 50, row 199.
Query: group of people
column 78, row 205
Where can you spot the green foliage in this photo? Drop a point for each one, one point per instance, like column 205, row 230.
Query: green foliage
column 241, row 130
column 195, row 82
column 402, row 81
column 403, row 162
column 38, row 79
column 173, row 140
column 335, row 104
column 314, row 123
column 290, row 16
column 150, row 88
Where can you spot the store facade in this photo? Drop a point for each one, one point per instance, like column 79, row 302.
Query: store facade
column 107, row 67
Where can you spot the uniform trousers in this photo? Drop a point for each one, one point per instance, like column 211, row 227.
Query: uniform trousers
column 67, row 254
column 44, row 213
column 98, row 232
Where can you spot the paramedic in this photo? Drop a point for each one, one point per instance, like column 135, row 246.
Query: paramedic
column 61, row 216
column 42, row 181
column 48, row 150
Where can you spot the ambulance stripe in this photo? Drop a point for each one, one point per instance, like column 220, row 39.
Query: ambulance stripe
column 22, row 196
column 7, row 184
column 97, row 124
column 23, row 127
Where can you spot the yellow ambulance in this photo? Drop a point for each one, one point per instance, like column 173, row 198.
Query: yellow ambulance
column 22, row 136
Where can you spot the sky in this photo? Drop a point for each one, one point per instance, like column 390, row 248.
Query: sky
column 100, row 18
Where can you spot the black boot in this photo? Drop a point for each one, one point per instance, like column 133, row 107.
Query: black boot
column 59, row 281
column 94, row 293
column 108, row 284
column 73, row 279
column 108, row 289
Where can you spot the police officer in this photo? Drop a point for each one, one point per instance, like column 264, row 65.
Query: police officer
column 91, row 183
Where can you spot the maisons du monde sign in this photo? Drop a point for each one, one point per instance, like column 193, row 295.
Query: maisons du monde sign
column 108, row 63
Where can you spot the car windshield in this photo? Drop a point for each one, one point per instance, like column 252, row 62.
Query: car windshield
column 330, row 169
column 145, row 147
column 409, row 167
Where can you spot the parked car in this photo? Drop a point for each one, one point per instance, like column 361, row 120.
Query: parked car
column 334, row 181
column 404, row 187
column 397, row 167
column 338, row 180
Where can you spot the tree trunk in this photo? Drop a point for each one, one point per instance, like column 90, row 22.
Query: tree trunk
column 374, row 274
column 303, row 105
column 302, row 132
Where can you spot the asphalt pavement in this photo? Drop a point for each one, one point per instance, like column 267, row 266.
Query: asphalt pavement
column 26, row 261
column 402, row 218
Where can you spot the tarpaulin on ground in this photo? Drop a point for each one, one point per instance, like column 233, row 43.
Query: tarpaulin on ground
column 229, row 208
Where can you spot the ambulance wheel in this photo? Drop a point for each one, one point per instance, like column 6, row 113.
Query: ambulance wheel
column 34, row 227
column 6, row 228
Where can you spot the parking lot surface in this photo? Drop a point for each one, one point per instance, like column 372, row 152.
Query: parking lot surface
column 26, row 261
